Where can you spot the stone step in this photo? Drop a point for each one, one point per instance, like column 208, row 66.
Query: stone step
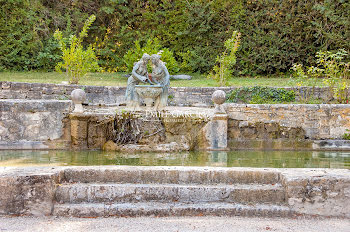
column 239, row 193
column 170, row 209
column 171, row 175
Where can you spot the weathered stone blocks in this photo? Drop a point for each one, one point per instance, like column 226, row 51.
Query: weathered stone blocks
column 179, row 96
column 293, row 121
column 161, row 191
column 27, row 192
column 32, row 120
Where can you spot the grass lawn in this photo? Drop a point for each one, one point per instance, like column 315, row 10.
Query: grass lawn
column 117, row 79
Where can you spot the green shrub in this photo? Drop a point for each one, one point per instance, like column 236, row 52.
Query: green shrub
column 151, row 47
column 335, row 71
column 77, row 61
column 302, row 78
column 346, row 135
column 223, row 70
column 260, row 95
column 331, row 67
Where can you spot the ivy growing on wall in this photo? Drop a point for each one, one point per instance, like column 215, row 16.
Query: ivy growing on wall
column 261, row 95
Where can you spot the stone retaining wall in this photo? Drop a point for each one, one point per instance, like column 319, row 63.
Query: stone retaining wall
column 44, row 124
column 288, row 121
column 283, row 127
column 95, row 94
column 178, row 96
column 27, row 123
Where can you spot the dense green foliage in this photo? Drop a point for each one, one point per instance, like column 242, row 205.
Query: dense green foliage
column 275, row 33
column 151, row 47
column 260, row 95
column 19, row 39
column 77, row 61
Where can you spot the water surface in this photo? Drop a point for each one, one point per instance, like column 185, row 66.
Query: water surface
column 276, row 159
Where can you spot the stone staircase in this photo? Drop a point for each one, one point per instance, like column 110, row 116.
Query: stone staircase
column 166, row 191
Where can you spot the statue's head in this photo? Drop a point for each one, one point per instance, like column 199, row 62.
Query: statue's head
column 145, row 58
column 155, row 58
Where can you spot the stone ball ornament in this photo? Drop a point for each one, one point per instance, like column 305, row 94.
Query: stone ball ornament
column 78, row 96
column 219, row 98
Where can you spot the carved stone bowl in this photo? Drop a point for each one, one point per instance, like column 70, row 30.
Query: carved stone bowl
column 148, row 93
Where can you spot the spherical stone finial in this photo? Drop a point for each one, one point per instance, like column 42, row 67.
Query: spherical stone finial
column 78, row 96
column 219, row 97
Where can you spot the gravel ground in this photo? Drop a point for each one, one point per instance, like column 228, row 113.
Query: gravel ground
column 237, row 224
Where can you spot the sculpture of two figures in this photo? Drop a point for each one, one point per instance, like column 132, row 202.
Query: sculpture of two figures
column 157, row 90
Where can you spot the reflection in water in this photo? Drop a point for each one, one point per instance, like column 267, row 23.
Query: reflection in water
column 277, row 159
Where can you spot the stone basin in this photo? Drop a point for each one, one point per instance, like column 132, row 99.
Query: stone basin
column 148, row 93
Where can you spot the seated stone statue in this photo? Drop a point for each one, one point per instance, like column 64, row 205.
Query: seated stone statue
column 160, row 76
column 139, row 74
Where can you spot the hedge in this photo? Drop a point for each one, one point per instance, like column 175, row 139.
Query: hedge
column 275, row 33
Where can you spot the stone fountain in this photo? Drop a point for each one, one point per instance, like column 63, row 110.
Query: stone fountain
column 150, row 94
column 156, row 93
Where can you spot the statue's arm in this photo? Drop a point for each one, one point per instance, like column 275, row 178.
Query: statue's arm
column 167, row 76
column 136, row 75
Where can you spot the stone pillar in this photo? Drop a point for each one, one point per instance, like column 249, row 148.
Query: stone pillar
column 216, row 131
column 79, row 130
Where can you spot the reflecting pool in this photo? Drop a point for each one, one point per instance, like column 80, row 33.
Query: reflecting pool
column 276, row 159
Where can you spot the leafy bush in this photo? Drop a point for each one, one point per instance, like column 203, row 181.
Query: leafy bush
column 303, row 78
column 331, row 67
column 151, row 47
column 335, row 71
column 346, row 135
column 77, row 61
column 222, row 70
column 260, row 95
